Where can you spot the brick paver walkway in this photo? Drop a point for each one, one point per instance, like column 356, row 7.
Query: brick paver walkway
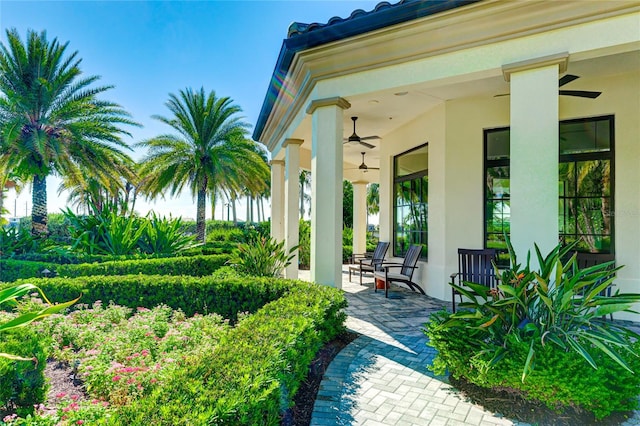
column 381, row 378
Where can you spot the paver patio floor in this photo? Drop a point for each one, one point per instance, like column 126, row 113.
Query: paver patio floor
column 381, row 378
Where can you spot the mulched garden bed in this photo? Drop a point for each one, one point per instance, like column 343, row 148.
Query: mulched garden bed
column 513, row 406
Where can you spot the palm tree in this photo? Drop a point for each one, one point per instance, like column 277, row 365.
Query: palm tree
column 51, row 120
column 373, row 198
column 305, row 184
column 208, row 151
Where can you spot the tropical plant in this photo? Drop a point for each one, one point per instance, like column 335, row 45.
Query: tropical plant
column 11, row 294
column 105, row 231
column 556, row 305
column 262, row 257
column 52, row 120
column 16, row 240
column 164, row 236
column 209, row 150
column 305, row 185
column 373, row 198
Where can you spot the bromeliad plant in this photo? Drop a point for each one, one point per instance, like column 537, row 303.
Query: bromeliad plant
column 262, row 257
column 557, row 305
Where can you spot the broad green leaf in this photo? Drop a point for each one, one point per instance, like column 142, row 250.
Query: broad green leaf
column 25, row 319
column 613, row 355
column 15, row 357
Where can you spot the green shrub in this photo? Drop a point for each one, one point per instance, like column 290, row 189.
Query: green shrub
column 164, row 236
column 12, row 270
column 22, row 383
column 254, row 371
column 262, row 257
column 212, row 247
column 555, row 313
column 226, row 297
column 304, row 244
column 193, row 265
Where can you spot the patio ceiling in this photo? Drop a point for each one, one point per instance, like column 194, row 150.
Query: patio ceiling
column 380, row 113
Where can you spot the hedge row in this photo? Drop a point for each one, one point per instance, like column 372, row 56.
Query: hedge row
column 192, row 295
column 252, row 374
column 12, row 270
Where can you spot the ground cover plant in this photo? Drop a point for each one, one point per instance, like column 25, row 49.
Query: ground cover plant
column 134, row 362
column 542, row 334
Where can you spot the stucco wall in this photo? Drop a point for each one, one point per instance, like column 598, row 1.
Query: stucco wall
column 454, row 131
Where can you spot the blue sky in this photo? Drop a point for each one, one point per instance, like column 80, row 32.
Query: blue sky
column 148, row 49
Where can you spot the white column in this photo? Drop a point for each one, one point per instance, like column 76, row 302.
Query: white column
column 534, row 154
column 359, row 217
column 291, row 197
column 326, row 190
column 277, row 199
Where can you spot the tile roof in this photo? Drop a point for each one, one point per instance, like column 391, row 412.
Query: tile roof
column 302, row 36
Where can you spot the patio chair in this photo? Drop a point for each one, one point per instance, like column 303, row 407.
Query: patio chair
column 474, row 265
column 405, row 274
column 587, row 260
column 367, row 262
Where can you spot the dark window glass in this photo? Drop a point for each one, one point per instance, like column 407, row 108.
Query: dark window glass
column 585, row 185
column 411, row 193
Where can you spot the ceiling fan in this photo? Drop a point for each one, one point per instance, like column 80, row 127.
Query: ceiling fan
column 363, row 167
column 354, row 139
column 566, row 79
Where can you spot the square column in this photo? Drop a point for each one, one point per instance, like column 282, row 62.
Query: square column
column 326, row 190
column 534, row 154
column 277, row 200
column 359, row 217
column 291, row 196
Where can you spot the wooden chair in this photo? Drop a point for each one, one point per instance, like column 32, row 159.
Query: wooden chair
column 405, row 275
column 369, row 263
column 474, row 266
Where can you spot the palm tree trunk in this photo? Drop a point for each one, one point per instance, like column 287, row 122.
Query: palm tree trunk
column 200, row 215
column 39, row 216
column 233, row 208
column 213, row 205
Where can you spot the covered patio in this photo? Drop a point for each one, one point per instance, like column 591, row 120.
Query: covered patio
column 485, row 112
column 381, row 378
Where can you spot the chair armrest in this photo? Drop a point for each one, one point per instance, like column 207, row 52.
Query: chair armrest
column 454, row 275
column 396, row 265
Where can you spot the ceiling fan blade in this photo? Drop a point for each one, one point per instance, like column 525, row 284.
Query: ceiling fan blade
column 368, row 138
column 580, row 93
column 368, row 145
column 566, row 79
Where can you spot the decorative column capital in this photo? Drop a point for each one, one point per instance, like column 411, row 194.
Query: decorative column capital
column 292, row 141
column 319, row 103
column 560, row 59
column 360, row 182
column 276, row 162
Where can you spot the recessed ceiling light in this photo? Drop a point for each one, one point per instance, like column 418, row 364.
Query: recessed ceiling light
column 400, row 93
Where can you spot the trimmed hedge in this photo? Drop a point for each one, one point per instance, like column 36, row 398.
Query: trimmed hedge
column 252, row 374
column 12, row 270
column 192, row 295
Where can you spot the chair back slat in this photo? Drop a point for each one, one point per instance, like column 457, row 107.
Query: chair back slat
column 475, row 266
column 380, row 251
column 586, row 260
column 410, row 259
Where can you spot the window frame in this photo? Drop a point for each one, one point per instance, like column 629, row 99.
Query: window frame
column 396, row 180
column 562, row 158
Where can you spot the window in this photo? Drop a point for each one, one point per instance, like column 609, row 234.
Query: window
column 585, row 169
column 410, row 192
